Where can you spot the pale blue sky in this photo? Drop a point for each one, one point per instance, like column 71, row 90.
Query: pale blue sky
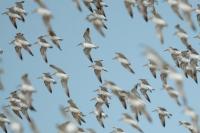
column 123, row 35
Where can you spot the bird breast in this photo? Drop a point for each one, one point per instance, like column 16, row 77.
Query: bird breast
column 61, row 75
column 122, row 60
column 88, row 45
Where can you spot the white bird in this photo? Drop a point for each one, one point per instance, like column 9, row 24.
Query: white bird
column 98, row 68
column 3, row 121
column 174, row 94
column 129, row 120
column 124, row 61
column 48, row 80
column 160, row 23
column 44, row 46
column 162, row 113
column 64, row 77
column 20, row 43
column 144, row 88
column 189, row 126
column 88, row 45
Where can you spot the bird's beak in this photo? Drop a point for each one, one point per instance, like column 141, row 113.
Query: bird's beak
column 92, row 99
column 166, row 50
column 3, row 13
column 79, row 44
column 145, row 65
column 39, row 77
column 34, row 11
column 90, row 66
column 153, row 110
column 105, row 70
column 114, row 58
column 7, row 97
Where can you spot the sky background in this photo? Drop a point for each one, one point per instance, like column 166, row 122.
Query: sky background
column 123, row 35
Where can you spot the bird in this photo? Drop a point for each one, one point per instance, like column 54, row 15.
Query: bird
column 3, row 121
column 88, row 3
column 54, row 38
column 19, row 8
column 75, row 111
column 117, row 91
column 174, row 94
column 197, row 10
column 160, row 23
column 152, row 67
column 187, row 9
column 182, row 34
column 44, row 46
column 117, row 130
column 20, row 43
column 87, row 44
column 189, row 126
column 64, row 77
column 129, row 120
column 98, row 68
column 124, row 61
column 67, row 127
column 78, row 5
column 45, row 13
column 162, row 113
column 48, row 80
column 97, row 20
column 100, row 115
column 13, row 16
column 175, row 54
column 144, row 88
column 137, row 105
column 175, row 7
column 129, row 4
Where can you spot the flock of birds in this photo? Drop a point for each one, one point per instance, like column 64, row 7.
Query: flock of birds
column 20, row 101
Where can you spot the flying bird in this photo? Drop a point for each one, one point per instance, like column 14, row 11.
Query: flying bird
column 124, row 61
column 162, row 113
column 64, row 77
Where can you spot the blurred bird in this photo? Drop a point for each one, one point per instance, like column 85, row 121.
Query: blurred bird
column 78, row 4
column 152, row 67
column 160, row 23
column 87, row 44
column 13, row 16
column 3, row 121
column 124, row 61
column 174, row 6
column 98, row 68
column 129, row 4
column 64, row 77
column 172, row 93
column 162, row 113
column 144, row 88
column 44, row 46
column 117, row 130
column 129, row 120
column 48, row 80
column 20, row 43
column 54, row 38
column 76, row 113
column 189, row 126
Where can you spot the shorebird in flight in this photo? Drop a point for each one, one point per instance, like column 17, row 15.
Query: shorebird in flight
column 64, row 77
column 48, row 81
column 44, row 46
column 162, row 113
column 20, row 43
column 124, row 61
column 87, row 44
column 98, row 68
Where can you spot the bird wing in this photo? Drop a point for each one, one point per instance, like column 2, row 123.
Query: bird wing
column 43, row 53
column 64, row 83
